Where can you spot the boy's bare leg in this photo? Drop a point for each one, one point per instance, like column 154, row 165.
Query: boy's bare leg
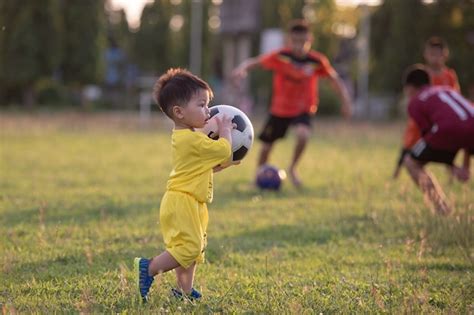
column 185, row 278
column 162, row 263
column 428, row 185
column 264, row 153
column 302, row 134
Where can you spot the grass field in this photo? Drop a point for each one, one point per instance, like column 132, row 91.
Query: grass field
column 80, row 197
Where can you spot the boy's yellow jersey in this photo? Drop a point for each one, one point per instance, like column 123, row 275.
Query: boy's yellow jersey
column 194, row 156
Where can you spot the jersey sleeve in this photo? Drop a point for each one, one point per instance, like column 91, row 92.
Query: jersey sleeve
column 454, row 83
column 213, row 152
column 416, row 112
column 325, row 68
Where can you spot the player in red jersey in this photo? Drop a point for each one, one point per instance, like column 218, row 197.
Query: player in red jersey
column 436, row 53
column 296, row 70
column 446, row 122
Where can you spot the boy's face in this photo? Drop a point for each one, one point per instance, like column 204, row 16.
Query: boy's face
column 195, row 113
column 435, row 56
column 300, row 43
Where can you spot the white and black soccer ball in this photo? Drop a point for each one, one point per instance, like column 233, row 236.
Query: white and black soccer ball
column 242, row 135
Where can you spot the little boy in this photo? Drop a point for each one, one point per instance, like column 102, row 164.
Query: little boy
column 184, row 98
column 436, row 54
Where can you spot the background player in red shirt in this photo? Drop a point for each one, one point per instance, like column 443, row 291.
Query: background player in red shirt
column 436, row 53
column 296, row 69
column 446, row 122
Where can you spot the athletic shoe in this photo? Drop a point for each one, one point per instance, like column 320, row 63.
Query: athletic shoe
column 144, row 281
column 194, row 295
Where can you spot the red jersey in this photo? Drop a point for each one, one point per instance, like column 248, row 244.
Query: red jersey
column 446, row 77
column 295, row 81
column 444, row 117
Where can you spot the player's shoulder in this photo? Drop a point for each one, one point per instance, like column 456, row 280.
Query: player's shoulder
column 450, row 72
column 431, row 91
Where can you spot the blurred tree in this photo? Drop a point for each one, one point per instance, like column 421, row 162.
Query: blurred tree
column 395, row 40
column 118, row 30
column 400, row 29
column 29, row 46
column 454, row 21
column 163, row 39
column 84, row 40
column 152, row 43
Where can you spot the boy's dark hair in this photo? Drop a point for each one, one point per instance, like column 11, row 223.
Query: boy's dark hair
column 298, row 26
column 416, row 76
column 436, row 42
column 176, row 87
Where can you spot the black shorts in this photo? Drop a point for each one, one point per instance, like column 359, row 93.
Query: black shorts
column 422, row 152
column 276, row 127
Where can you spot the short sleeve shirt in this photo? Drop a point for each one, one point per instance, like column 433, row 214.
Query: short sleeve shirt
column 446, row 77
column 194, row 155
column 444, row 117
column 295, row 81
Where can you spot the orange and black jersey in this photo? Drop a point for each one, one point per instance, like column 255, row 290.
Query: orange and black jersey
column 295, row 81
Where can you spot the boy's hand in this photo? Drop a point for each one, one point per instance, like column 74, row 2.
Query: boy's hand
column 237, row 75
column 461, row 173
column 224, row 122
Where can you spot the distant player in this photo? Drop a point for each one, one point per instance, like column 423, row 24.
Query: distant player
column 184, row 98
column 296, row 70
column 446, row 121
column 436, row 53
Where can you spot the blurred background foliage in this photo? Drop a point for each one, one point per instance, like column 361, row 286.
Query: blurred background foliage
column 82, row 53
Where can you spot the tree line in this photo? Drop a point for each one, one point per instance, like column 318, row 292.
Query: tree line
column 60, row 45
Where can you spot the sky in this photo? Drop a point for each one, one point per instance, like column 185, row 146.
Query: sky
column 133, row 8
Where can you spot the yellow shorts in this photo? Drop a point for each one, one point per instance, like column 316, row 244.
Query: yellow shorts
column 183, row 222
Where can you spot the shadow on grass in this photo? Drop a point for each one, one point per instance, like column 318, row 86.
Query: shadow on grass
column 71, row 214
column 282, row 236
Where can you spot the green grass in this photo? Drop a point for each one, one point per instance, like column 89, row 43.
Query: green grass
column 80, row 197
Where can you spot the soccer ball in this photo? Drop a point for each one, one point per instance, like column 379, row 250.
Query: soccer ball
column 269, row 177
column 242, row 135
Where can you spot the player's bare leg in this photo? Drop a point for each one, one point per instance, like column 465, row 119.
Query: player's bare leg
column 302, row 134
column 185, row 278
column 263, row 156
column 264, row 153
column 432, row 191
column 162, row 263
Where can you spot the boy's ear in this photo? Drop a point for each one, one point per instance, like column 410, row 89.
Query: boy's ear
column 177, row 111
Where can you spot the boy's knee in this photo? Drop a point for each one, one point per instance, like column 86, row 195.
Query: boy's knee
column 411, row 164
column 303, row 132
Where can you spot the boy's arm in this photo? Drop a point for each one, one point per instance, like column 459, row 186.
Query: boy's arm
column 340, row 88
column 410, row 137
column 241, row 70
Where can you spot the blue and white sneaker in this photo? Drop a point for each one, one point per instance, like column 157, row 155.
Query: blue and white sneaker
column 144, row 281
column 193, row 296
